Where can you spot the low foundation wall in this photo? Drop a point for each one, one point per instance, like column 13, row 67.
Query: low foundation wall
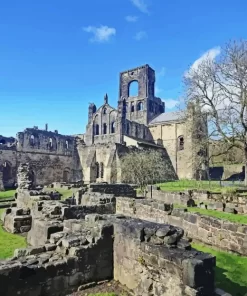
column 149, row 268
column 59, row 267
column 17, row 220
column 236, row 204
column 216, row 232
column 116, row 189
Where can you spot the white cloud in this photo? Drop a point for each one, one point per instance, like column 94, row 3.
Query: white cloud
column 140, row 35
column 171, row 103
column 211, row 54
column 100, row 34
column 131, row 18
column 141, row 5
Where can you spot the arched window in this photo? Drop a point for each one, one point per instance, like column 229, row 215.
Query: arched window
column 50, row 143
column 97, row 169
column 140, row 106
column 104, row 129
column 113, row 127
column 32, row 140
column 181, row 143
column 133, row 89
column 96, row 132
column 101, row 170
column 104, row 111
column 66, row 144
column 132, row 108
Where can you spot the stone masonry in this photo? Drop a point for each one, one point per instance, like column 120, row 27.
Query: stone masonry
column 139, row 120
column 71, row 246
column 148, row 258
column 212, row 231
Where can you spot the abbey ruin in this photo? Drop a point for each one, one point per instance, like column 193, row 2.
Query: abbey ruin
column 138, row 121
column 104, row 231
column 106, row 234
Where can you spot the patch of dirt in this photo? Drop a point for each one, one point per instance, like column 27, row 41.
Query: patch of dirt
column 105, row 287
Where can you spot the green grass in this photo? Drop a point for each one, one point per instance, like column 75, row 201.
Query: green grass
column 65, row 192
column 217, row 214
column 9, row 242
column 231, row 270
column 182, row 185
column 7, row 194
column 103, row 294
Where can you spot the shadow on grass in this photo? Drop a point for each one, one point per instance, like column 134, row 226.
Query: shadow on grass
column 224, row 283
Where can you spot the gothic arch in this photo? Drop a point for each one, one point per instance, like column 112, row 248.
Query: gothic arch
column 133, row 88
column 66, row 174
column 97, row 170
column 140, row 106
column 52, row 144
column 96, row 125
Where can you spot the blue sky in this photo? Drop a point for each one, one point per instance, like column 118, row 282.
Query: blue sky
column 58, row 56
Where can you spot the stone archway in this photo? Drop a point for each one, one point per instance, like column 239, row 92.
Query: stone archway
column 66, row 176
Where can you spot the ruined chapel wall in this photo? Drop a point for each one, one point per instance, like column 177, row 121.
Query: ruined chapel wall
column 48, row 168
column 41, row 141
column 212, row 231
column 91, row 156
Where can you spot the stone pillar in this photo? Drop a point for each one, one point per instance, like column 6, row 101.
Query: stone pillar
column 25, row 177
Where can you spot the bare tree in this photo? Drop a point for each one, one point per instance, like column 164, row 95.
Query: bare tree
column 219, row 87
column 144, row 167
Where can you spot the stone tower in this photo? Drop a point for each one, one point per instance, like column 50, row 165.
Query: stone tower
column 143, row 106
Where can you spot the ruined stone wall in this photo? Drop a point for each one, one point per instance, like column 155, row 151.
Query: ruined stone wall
column 8, row 163
column 212, row 201
column 61, row 266
column 53, row 157
column 148, row 266
column 116, row 189
column 216, row 232
column 101, row 155
column 49, row 168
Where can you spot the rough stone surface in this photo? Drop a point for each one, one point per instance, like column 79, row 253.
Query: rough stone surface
column 217, row 232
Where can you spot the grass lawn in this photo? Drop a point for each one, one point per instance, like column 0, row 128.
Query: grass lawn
column 65, row 192
column 9, row 242
column 182, row 185
column 7, row 194
column 103, row 294
column 231, row 270
column 217, row 214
